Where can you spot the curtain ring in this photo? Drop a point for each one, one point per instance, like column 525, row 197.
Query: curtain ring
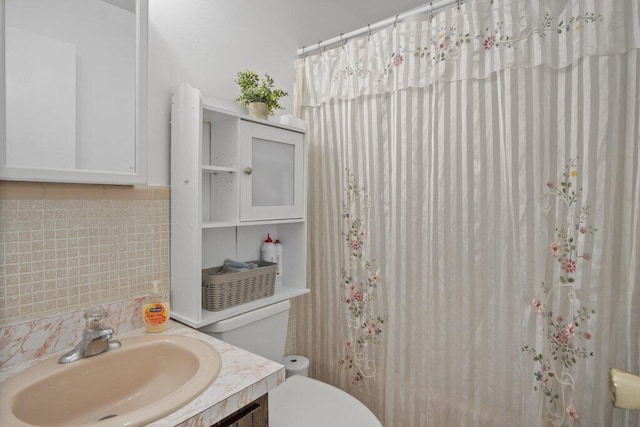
column 343, row 41
column 368, row 32
column 396, row 21
column 431, row 11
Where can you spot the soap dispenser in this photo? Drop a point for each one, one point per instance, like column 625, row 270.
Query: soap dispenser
column 156, row 311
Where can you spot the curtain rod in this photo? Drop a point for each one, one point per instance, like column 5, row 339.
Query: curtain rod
column 432, row 7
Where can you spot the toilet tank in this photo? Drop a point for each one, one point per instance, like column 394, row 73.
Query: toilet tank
column 262, row 331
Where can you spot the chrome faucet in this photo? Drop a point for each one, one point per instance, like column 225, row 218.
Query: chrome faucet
column 95, row 340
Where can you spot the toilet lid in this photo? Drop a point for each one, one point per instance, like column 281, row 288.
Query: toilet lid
column 302, row 401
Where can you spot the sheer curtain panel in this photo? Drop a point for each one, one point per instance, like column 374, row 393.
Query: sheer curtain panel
column 435, row 148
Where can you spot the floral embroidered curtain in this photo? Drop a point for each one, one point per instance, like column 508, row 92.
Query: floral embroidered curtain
column 445, row 288
column 480, row 38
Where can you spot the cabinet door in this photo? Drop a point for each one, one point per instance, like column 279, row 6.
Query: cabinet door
column 255, row 414
column 271, row 173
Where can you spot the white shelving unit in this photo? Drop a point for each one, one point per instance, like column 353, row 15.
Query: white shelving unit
column 221, row 208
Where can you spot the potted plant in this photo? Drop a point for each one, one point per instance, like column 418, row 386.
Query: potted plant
column 258, row 94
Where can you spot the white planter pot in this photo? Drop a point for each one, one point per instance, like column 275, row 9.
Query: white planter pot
column 259, row 110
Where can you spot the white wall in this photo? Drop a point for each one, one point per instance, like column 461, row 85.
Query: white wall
column 206, row 43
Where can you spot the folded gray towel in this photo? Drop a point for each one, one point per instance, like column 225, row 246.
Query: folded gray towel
column 231, row 266
column 240, row 265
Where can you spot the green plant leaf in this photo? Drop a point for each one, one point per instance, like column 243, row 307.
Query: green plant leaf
column 253, row 89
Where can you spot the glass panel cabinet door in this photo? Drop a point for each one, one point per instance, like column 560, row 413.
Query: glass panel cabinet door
column 271, row 173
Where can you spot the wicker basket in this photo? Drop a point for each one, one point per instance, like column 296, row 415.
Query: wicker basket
column 222, row 291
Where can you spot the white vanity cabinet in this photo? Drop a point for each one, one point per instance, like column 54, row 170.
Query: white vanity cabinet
column 234, row 179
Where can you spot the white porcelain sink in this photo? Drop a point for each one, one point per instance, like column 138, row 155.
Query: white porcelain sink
column 145, row 379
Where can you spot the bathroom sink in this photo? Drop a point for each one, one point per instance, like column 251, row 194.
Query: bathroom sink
column 145, row 379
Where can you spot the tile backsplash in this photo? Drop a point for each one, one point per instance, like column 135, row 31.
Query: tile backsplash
column 68, row 247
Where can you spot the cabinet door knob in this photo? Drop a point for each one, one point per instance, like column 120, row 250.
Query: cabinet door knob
column 248, row 171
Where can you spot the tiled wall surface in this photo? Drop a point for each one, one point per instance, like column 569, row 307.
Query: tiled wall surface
column 67, row 247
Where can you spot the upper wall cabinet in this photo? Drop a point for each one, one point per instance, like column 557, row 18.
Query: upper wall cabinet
column 74, row 91
column 252, row 170
column 234, row 180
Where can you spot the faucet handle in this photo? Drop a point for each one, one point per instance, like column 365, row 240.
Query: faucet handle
column 94, row 317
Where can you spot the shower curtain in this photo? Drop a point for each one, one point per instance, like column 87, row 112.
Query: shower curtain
column 444, row 157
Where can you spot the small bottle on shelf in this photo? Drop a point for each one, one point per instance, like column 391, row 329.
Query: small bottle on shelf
column 280, row 261
column 268, row 250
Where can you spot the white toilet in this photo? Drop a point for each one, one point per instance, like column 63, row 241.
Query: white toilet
column 299, row 401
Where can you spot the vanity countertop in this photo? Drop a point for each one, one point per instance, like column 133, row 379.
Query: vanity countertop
column 243, row 378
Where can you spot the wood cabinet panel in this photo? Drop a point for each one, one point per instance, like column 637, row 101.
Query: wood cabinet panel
column 255, row 414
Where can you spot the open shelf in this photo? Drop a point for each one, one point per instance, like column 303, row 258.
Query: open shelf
column 222, row 224
column 219, row 224
column 270, row 221
column 214, row 169
column 207, row 317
